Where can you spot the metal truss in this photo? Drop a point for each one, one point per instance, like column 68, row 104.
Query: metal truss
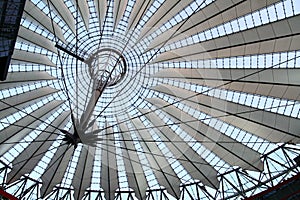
column 247, row 183
column 233, row 184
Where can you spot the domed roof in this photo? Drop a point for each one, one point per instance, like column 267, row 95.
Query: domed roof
column 155, row 99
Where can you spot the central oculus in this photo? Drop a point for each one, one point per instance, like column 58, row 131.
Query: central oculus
column 107, row 66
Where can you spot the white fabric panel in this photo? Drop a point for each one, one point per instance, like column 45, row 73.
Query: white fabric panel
column 101, row 7
column 261, row 82
column 17, row 131
column 226, row 148
column 248, row 42
column 139, row 9
column 269, row 90
column 26, row 161
column 216, row 13
column 83, row 173
column 15, row 79
column 274, row 46
column 21, row 57
column 64, row 12
column 84, row 12
column 273, row 127
column 119, row 9
column 164, row 173
column 34, row 13
column 37, row 39
column 271, row 76
column 11, row 105
column 165, row 12
column 195, row 165
column 56, row 169
column 134, row 171
column 109, row 174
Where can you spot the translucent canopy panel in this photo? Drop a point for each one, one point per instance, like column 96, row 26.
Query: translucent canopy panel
column 151, row 99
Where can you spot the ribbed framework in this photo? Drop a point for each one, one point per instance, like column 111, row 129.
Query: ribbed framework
column 208, row 94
